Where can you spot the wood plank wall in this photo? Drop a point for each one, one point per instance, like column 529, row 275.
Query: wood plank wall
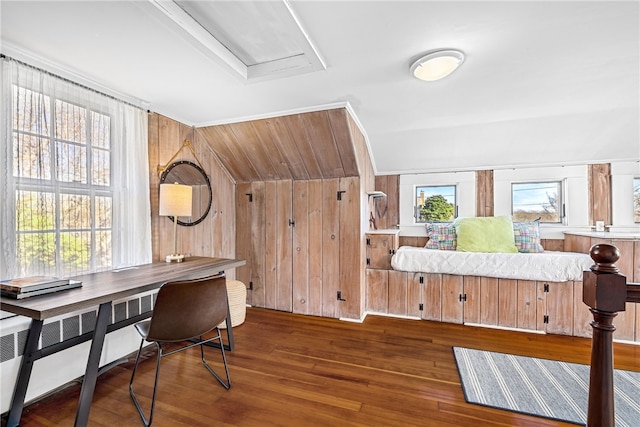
column 484, row 193
column 215, row 236
column 387, row 209
column 599, row 176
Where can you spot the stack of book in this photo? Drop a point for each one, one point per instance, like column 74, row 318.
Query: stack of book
column 37, row 285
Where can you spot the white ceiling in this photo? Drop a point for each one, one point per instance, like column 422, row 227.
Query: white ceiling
column 543, row 83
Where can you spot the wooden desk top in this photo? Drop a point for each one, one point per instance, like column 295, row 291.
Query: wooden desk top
column 105, row 286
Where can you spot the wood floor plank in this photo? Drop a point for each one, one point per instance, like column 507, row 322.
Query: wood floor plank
column 295, row 370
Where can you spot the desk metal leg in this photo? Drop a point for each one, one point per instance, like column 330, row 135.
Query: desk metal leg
column 26, row 366
column 91, row 373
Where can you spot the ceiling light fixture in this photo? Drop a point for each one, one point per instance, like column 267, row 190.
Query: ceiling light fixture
column 437, row 65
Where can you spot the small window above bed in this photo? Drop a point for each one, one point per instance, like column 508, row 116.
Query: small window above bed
column 541, row 201
column 435, row 203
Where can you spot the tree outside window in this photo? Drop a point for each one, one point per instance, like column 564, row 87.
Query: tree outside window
column 435, row 203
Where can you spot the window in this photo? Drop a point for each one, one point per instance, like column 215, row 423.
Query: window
column 636, row 199
column 435, row 203
column 75, row 179
column 537, row 200
column 63, row 195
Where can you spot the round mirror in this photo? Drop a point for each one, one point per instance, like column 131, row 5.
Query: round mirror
column 188, row 173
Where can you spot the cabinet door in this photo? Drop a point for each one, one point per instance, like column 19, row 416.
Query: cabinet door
column 558, row 302
column 352, row 252
column 283, row 231
column 307, row 247
column 251, row 239
column 415, row 295
column 243, row 237
column 380, row 248
column 377, row 290
column 452, row 298
column 330, row 248
column 398, row 292
column 432, row 294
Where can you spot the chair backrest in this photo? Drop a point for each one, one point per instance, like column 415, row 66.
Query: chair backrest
column 188, row 309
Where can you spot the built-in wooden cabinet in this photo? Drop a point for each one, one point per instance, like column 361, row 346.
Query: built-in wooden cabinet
column 518, row 304
column 381, row 245
column 383, row 286
column 627, row 322
column 302, row 241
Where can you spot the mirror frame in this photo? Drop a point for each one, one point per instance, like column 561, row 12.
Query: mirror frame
column 166, row 172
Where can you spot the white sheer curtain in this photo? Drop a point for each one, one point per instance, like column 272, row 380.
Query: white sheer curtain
column 74, row 178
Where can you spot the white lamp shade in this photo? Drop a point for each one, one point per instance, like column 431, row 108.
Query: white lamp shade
column 175, row 200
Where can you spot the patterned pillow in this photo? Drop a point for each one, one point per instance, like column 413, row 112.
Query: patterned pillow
column 527, row 237
column 442, row 235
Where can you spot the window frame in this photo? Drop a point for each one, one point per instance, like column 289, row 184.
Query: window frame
column 416, row 208
column 59, row 188
column 561, row 186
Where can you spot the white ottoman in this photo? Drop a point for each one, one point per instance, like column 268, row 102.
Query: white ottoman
column 237, row 292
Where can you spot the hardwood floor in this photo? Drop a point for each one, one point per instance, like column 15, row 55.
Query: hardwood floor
column 293, row 370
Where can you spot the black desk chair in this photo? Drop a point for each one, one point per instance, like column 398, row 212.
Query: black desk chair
column 184, row 310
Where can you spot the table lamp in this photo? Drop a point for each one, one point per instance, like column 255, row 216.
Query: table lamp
column 175, row 201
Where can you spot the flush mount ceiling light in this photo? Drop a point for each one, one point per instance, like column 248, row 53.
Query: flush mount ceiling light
column 437, row 64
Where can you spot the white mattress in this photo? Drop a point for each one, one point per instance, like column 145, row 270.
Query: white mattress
column 548, row 266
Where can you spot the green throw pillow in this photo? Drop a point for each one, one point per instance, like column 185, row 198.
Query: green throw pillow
column 485, row 234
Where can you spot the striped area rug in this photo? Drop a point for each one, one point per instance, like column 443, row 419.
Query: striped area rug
column 540, row 387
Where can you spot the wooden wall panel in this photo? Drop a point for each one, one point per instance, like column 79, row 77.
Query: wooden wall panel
column 215, row 236
column 299, row 136
column 507, row 302
column 258, row 243
column 343, row 136
column 484, row 193
column 222, row 141
column 387, row 209
column 318, row 130
column 301, row 146
column 271, row 245
column 552, row 244
column 599, row 176
column 285, row 143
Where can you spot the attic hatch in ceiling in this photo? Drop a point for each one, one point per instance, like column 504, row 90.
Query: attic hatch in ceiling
column 257, row 39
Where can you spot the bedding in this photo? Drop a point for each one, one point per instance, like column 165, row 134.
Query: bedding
column 544, row 266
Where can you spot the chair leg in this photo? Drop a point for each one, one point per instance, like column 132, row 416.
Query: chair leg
column 145, row 421
column 226, row 385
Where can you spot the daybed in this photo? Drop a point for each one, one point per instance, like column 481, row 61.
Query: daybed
column 487, row 271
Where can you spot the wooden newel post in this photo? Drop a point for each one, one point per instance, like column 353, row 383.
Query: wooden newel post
column 605, row 292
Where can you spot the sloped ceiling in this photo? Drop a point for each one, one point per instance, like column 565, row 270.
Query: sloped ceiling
column 312, row 145
column 553, row 82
